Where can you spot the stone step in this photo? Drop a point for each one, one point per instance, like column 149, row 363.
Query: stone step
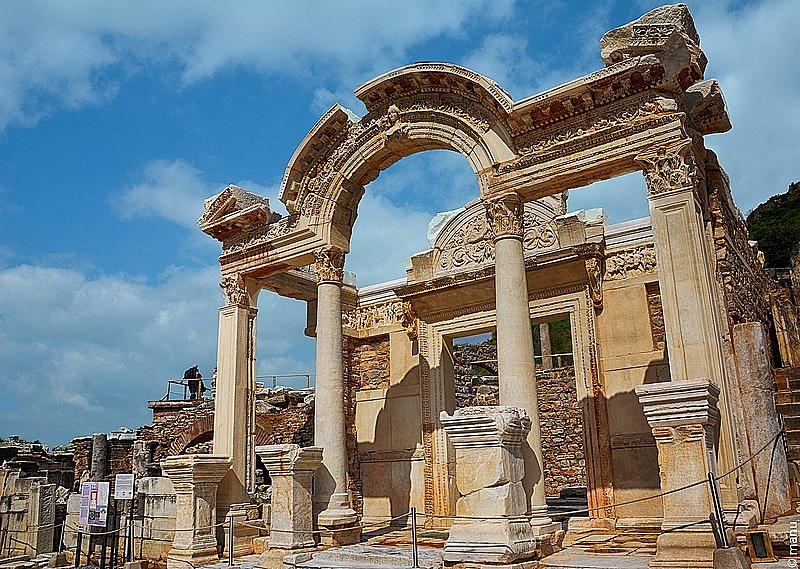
column 792, row 437
column 364, row 557
column 794, row 452
column 791, row 423
column 788, row 378
column 782, row 397
column 789, row 409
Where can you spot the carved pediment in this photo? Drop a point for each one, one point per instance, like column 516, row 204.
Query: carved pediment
column 465, row 241
column 234, row 211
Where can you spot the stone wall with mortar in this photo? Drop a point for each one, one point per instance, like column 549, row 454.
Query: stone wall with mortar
column 366, row 366
column 560, row 416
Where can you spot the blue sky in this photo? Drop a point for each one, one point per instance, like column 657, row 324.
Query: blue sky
column 117, row 118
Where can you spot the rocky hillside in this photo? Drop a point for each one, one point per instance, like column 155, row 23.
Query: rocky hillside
column 775, row 224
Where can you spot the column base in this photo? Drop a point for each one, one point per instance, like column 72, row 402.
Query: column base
column 189, row 559
column 335, row 537
column 489, row 541
column 684, row 550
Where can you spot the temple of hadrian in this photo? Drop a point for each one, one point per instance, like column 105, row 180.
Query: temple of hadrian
column 676, row 327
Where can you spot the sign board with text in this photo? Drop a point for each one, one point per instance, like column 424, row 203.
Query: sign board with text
column 123, row 487
column 94, row 504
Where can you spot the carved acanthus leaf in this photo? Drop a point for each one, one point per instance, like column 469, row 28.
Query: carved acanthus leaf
column 669, row 169
column 234, row 291
column 505, row 215
column 329, row 264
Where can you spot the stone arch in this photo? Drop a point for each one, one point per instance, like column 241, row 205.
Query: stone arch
column 199, row 427
column 419, row 107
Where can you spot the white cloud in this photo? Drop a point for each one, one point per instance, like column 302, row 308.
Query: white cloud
column 55, row 55
column 174, row 190
column 84, row 353
column 752, row 52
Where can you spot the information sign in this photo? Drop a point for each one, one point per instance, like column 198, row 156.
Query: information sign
column 123, row 487
column 94, row 504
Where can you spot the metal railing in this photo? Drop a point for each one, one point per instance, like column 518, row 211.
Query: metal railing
column 274, row 378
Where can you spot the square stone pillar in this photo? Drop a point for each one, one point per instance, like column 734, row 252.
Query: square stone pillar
column 195, row 477
column 690, row 298
column 490, row 525
column 291, row 469
column 234, row 411
column 683, row 416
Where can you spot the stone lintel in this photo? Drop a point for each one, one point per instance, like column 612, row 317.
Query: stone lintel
column 289, row 458
column 675, row 403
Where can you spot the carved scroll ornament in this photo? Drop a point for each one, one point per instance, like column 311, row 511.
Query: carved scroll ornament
column 594, row 270
column 505, row 216
column 329, row 264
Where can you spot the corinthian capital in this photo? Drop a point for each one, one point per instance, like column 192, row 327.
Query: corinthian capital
column 234, row 291
column 329, row 264
column 669, row 169
column 505, row 215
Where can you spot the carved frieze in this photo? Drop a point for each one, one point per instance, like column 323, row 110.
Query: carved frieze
column 639, row 260
column 409, row 321
column 505, row 215
column 260, row 236
column 329, row 264
column 377, row 315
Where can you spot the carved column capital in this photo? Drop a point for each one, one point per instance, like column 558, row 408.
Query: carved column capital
column 234, row 291
column 669, row 169
column 329, row 264
column 505, row 214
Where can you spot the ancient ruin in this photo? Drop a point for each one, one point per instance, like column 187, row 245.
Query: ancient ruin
column 676, row 329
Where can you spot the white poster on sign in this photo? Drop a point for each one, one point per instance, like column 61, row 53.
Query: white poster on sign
column 123, row 487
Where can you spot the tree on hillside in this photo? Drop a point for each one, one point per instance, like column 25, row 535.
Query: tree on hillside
column 775, row 224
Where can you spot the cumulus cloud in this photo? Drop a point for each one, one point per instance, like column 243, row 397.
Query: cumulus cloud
column 83, row 353
column 66, row 55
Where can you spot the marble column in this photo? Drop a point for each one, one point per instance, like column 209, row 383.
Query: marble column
column 490, row 524
column 291, row 470
column 544, row 342
column 687, row 283
column 234, row 411
column 195, row 478
column 330, row 485
column 684, row 417
column 515, row 357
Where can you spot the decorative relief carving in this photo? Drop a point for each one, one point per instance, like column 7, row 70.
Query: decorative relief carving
column 669, row 170
column 639, row 260
column 283, row 226
column 329, row 264
column 651, row 34
column 375, row 315
column 597, row 122
column 410, row 320
column 594, row 270
column 505, row 215
column 234, row 291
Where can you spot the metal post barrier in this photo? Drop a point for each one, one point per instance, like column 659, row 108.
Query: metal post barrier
column 115, row 535
column 130, row 532
column 103, row 550
column 230, row 541
column 414, row 550
column 718, row 514
column 78, row 545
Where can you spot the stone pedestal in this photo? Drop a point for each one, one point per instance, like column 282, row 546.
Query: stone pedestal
column 195, row 478
column 490, row 525
column 245, row 521
column 684, row 416
column 291, row 469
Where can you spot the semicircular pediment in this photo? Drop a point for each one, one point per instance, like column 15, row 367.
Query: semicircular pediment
column 465, row 241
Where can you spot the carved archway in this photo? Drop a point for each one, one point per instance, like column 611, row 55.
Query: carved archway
column 420, row 107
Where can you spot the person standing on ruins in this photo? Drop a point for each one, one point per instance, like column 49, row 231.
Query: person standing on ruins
column 194, row 380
